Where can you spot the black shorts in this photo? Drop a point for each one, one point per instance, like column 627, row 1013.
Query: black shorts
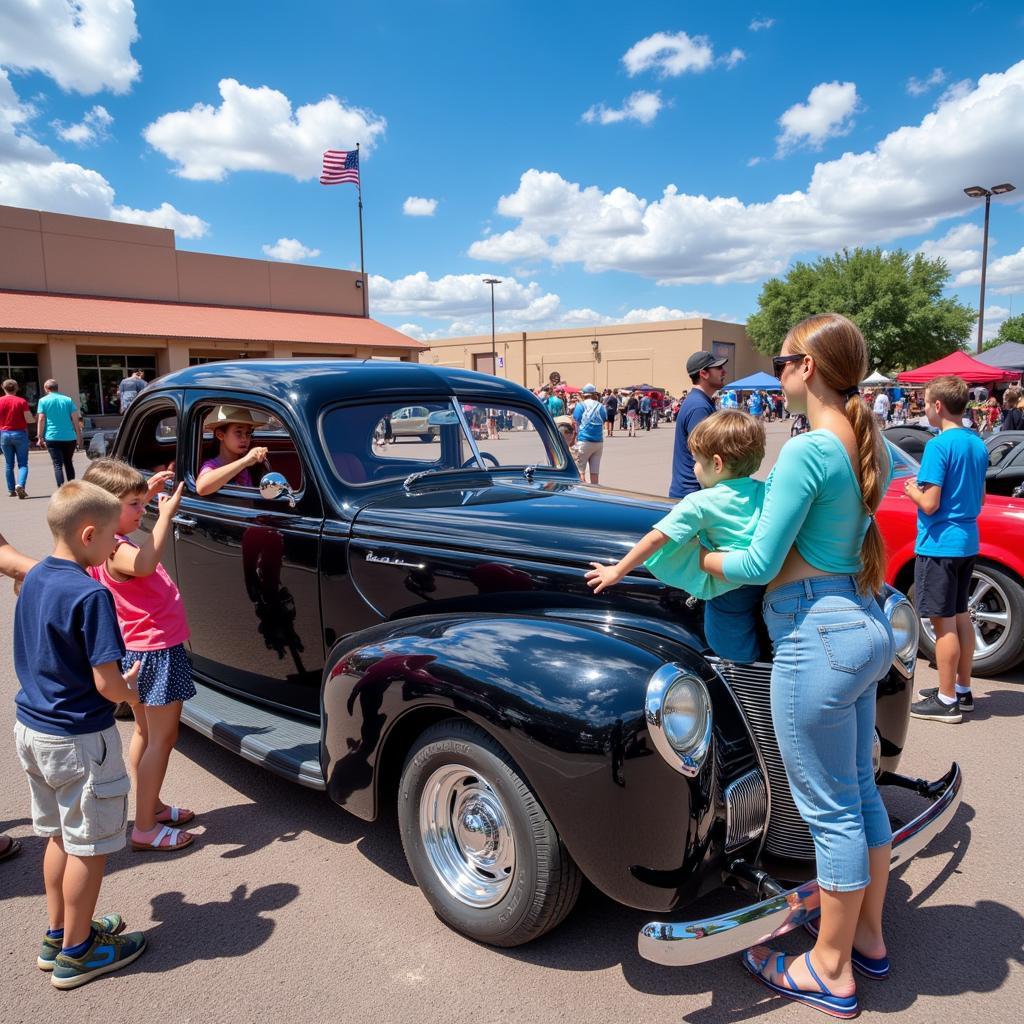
column 941, row 585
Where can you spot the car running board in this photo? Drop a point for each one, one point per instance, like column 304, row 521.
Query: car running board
column 286, row 746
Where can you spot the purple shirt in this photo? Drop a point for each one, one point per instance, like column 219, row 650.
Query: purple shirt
column 241, row 478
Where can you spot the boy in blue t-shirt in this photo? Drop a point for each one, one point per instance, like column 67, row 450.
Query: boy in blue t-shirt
column 948, row 492
column 67, row 653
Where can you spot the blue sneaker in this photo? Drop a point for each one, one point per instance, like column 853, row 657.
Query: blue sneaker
column 106, row 953
column 49, row 948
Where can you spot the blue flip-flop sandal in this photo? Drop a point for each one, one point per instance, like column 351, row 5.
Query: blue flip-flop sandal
column 844, row 1007
column 869, row 966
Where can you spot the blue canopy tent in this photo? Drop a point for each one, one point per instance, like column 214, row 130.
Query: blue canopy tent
column 755, row 382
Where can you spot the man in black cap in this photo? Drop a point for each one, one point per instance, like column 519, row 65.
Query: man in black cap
column 708, row 376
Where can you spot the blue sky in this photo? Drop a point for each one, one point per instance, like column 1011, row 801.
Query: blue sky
column 607, row 163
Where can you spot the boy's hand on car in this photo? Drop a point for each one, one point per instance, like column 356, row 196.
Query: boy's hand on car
column 169, row 503
column 156, row 483
column 256, row 456
column 602, row 576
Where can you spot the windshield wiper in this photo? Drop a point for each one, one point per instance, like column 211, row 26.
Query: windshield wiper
column 414, row 478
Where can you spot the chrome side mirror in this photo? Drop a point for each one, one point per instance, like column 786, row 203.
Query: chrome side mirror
column 274, row 486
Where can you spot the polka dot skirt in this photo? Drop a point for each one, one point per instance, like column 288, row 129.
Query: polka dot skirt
column 165, row 676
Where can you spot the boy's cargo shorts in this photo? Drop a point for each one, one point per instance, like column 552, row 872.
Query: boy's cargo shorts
column 79, row 788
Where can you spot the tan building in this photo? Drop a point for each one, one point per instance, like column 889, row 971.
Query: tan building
column 86, row 301
column 609, row 357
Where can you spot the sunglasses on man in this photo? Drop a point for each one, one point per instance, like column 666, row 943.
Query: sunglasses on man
column 779, row 362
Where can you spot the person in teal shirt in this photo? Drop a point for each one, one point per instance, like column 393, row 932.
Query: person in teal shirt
column 819, row 551
column 727, row 447
column 59, row 430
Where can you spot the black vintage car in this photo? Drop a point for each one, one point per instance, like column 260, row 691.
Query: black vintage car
column 403, row 618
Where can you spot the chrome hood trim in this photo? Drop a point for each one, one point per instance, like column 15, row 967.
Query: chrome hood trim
column 683, row 943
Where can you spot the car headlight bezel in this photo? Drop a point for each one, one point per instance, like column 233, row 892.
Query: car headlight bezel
column 674, row 695
column 906, row 628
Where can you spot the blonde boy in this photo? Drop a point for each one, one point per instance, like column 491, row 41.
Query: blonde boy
column 727, row 447
column 67, row 650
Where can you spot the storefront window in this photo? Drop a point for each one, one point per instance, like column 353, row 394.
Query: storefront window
column 100, row 375
column 24, row 368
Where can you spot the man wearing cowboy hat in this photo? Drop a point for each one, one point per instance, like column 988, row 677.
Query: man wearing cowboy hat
column 232, row 427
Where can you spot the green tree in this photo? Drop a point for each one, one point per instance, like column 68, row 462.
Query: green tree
column 895, row 298
column 1011, row 329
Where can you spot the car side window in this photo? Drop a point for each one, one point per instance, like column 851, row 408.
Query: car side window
column 155, row 440
column 998, row 452
column 230, row 431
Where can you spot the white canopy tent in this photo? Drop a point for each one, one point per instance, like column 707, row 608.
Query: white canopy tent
column 876, row 379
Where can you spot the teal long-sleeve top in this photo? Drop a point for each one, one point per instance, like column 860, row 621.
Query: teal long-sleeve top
column 812, row 499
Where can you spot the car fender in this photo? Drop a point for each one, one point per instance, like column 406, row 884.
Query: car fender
column 565, row 699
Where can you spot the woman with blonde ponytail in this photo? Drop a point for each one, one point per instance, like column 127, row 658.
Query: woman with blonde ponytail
column 819, row 551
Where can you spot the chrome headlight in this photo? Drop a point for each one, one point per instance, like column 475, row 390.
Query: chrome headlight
column 906, row 628
column 678, row 712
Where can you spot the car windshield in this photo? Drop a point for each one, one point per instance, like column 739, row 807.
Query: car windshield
column 385, row 441
column 903, row 465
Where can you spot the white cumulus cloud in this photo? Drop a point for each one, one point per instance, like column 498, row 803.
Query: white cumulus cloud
column 732, row 58
column 417, row 206
column 640, row 106
column 669, row 54
column 828, row 112
column 960, row 247
column 760, row 24
column 906, row 185
column 83, row 45
column 1004, row 275
column 290, row 250
column 459, row 297
column 34, row 176
column 94, row 127
column 256, row 129
column 919, row 86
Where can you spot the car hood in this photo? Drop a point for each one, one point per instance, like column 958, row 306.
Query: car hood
column 557, row 520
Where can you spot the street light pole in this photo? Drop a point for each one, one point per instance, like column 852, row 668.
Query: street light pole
column 492, row 281
column 977, row 192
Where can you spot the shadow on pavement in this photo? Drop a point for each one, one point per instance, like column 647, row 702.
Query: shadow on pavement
column 231, row 927
column 996, row 704
column 281, row 811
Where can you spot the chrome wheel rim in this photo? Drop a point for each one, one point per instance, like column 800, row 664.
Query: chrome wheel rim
column 989, row 607
column 467, row 836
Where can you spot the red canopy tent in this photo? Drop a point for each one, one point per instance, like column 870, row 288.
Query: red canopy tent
column 959, row 364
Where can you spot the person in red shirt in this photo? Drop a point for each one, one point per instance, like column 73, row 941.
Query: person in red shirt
column 14, row 418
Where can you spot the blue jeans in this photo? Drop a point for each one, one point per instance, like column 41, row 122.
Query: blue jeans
column 15, row 446
column 831, row 647
column 731, row 624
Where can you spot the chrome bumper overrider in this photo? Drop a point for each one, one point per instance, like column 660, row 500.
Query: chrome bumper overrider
column 678, row 944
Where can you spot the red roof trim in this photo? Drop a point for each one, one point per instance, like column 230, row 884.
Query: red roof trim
column 49, row 313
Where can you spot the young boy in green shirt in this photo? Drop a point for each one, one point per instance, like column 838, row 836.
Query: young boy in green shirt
column 727, row 447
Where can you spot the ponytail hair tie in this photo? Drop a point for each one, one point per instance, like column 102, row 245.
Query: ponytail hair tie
column 851, row 393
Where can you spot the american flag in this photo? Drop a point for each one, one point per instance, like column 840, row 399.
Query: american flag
column 340, row 166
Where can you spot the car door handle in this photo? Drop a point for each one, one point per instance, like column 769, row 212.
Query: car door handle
column 189, row 524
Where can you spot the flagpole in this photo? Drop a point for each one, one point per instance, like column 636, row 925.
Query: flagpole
column 362, row 266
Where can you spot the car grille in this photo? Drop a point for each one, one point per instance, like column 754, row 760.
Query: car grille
column 746, row 807
column 787, row 836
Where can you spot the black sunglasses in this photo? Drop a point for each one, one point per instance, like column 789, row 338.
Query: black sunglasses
column 779, row 362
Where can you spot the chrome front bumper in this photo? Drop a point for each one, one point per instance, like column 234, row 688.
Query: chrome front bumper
column 679, row 944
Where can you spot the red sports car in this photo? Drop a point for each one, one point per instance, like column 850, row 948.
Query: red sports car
column 997, row 589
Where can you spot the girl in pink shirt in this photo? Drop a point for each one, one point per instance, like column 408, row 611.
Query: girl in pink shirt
column 155, row 629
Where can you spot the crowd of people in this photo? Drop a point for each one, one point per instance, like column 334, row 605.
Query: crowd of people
column 100, row 622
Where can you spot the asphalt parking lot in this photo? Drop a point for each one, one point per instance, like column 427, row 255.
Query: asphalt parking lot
column 291, row 910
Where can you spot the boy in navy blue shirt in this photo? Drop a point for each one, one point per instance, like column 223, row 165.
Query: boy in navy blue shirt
column 67, row 653
column 948, row 492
